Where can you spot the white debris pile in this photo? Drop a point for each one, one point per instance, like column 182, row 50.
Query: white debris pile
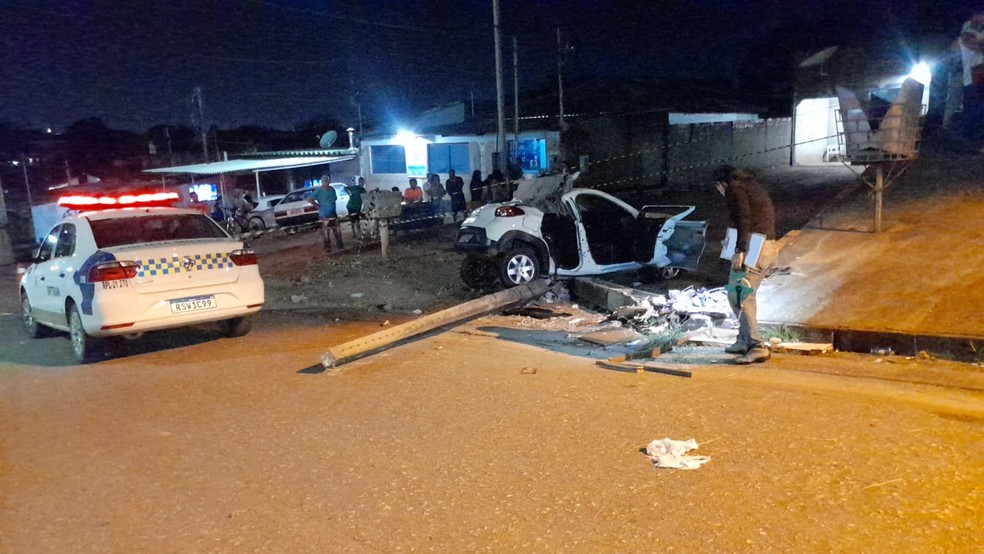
column 689, row 311
column 669, row 453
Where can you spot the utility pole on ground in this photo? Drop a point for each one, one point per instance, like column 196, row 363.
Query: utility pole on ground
column 499, row 96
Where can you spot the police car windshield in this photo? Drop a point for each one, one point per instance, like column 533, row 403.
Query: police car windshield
column 153, row 228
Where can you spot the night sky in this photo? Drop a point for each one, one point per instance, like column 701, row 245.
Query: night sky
column 135, row 63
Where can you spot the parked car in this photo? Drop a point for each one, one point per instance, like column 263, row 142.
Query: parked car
column 123, row 271
column 295, row 209
column 262, row 216
column 581, row 232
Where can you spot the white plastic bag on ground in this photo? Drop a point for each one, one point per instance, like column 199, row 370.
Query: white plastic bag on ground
column 669, row 453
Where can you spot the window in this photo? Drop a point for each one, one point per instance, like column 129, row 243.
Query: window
column 450, row 155
column 532, row 154
column 153, row 228
column 388, row 159
column 48, row 246
column 66, row 241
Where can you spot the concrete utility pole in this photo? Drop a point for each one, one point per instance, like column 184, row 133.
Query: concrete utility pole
column 560, row 79
column 197, row 100
column 515, row 96
column 6, row 248
column 499, row 96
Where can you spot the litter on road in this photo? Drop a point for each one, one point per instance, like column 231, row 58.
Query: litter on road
column 672, row 454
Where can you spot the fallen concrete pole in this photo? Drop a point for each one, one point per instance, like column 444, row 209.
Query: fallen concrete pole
column 376, row 342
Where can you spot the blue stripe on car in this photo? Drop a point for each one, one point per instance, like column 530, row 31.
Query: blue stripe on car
column 81, row 276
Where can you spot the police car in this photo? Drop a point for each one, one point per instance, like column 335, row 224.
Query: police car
column 125, row 265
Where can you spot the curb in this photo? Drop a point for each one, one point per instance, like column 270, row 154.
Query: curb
column 610, row 297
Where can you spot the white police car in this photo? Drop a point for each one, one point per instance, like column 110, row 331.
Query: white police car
column 126, row 265
column 580, row 232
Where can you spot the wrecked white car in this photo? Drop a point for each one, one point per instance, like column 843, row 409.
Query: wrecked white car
column 574, row 232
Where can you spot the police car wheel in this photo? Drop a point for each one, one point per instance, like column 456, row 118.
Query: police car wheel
column 31, row 325
column 83, row 346
column 236, row 327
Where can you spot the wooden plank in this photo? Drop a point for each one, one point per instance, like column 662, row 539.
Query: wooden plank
column 804, row 348
column 639, row 368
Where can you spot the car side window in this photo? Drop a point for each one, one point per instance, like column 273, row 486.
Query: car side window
column 48, row 246
column 66, row 241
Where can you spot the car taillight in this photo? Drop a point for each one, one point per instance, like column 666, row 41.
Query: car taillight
column 509, row 211
column 113, row 271
column 246, row 256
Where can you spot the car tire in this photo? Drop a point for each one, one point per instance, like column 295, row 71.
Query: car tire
column 83, row 346
column 478, row 272
column 31, row 326
column 256, row 224
column 519, row 265
column 236, row 327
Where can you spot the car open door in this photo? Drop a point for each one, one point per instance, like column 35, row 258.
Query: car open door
column 666, row 239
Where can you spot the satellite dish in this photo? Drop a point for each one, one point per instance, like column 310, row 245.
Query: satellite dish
column 328, row 139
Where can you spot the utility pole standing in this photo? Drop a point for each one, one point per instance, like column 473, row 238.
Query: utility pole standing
column 560, row 79
column 515, row 96
column 197, row 100
column 500, row 100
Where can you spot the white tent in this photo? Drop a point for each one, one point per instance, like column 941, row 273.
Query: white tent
column 256, row 166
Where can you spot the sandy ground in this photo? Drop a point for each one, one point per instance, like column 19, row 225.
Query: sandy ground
column 475, row 440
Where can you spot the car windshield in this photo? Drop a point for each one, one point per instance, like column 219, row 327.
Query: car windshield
column 153, row 228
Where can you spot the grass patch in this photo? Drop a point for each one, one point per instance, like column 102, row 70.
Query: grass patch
column 781, row 332
column 664, row 340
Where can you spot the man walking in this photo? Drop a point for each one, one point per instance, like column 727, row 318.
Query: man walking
column 324, row 198
column 751, row 211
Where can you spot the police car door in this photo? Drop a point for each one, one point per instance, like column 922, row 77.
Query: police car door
column 45, row 282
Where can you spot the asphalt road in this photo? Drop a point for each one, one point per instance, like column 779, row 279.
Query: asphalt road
column 500, row 434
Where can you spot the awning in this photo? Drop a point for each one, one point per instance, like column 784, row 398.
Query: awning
column 256, row 166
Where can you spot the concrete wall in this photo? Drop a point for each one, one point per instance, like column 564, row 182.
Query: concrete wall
column 695, row 150
column 639, row 151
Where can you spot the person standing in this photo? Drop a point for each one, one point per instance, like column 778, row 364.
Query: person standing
column 476, row 187
column 325, row 198
column 436, row 194
column 456, row 190
column 750, row 210
column 354, row 205
column 972, row 57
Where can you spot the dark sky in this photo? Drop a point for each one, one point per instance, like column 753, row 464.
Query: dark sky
column 279, row 63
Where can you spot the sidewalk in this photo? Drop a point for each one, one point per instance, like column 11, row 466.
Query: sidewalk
column 918, row 285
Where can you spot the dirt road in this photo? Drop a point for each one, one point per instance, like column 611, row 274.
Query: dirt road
column 217, row 445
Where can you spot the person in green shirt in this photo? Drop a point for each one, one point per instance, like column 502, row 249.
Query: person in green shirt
column 354, row 206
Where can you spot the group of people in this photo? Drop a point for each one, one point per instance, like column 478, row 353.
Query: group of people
column 450, row 196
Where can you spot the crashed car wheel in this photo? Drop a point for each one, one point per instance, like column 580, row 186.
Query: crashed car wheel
column 478, row 272
column 518, row 266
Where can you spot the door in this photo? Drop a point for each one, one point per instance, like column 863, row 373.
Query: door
column 605, row 227
column 666, row 239
column 45, row 281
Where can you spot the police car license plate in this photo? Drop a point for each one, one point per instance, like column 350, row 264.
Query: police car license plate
column 193, row 304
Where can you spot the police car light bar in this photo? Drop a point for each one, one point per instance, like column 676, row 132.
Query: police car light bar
column 147, row 200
